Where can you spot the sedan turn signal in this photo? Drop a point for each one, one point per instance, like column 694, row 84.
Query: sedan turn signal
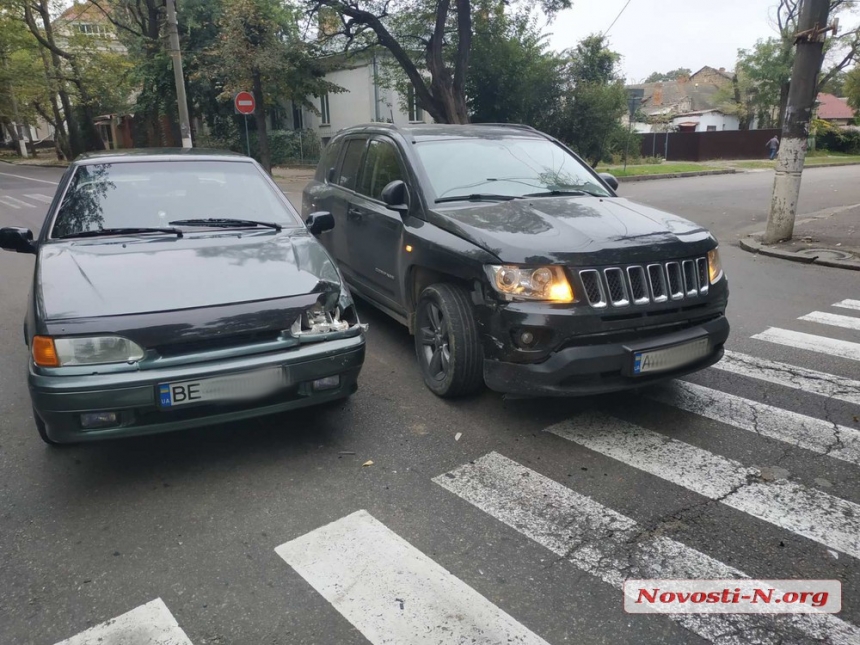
column 45, row 352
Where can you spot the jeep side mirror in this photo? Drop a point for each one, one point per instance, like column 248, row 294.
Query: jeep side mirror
column 319, row 222
column 17, row 240
column 610, row 180
column 396, row 196
column 330, row 175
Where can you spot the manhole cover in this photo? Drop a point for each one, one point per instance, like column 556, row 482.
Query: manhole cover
column 826, row 254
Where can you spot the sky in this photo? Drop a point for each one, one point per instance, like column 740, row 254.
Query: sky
column 662, row 35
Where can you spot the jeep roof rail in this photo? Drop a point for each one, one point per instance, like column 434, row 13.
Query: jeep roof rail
column 519, row 126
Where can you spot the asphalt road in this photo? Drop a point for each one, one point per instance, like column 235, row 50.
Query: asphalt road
column 525, row 522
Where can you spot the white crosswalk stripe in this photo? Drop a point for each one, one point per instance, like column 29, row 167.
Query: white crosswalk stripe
column 791, row 376
column 614, row 547
column 149, row 624
column 822, row 437
column 45, row 199
column 396, row 594
column 10, row 204
column 816, row 515
column 15, row 203
column 846, row 322
column 820, row 344
column 849, row 304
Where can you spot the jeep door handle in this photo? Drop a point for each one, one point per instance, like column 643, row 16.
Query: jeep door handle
column 354, row 215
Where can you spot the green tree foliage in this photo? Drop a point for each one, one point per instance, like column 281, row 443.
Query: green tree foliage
column 513, row 78
column 594, row 101
column 673, row 75
column 763, row 74
column 852, row 87
column 258, row 48
column 430, row 41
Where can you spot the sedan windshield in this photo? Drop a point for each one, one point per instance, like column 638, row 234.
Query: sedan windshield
column 512, row 167
column 153, row 195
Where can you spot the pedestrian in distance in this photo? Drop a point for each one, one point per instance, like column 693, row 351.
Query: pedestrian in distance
column 773, row 147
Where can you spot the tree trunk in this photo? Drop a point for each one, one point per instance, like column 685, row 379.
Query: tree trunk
column 61, row 139
column 262, row 131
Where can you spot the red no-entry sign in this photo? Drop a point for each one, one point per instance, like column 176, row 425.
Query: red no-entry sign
column 244, row 103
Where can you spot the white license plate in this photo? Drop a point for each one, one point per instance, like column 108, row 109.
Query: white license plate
column 235, row 387
column 663, row 360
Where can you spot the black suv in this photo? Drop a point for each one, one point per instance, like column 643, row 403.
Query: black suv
column 514, row 264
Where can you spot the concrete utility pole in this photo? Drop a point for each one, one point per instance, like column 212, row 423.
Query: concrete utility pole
column 16, row 126
column 179, row 76
column 795, row 131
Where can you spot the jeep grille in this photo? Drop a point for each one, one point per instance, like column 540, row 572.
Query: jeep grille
column 641, row 285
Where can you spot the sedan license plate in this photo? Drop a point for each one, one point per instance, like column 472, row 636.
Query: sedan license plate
column 664, row 360
column 233, row 388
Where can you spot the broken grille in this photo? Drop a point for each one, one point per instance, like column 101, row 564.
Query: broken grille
column 642, row 285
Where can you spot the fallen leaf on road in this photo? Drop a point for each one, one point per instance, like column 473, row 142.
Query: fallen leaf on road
column 457, row 436
column 367, row 463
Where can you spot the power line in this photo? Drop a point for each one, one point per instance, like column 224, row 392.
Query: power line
column 617, row 17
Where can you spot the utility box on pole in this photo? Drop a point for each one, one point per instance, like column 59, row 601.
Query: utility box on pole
column 812, row 30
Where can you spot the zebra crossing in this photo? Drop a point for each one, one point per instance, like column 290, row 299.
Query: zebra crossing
column 26, row 201
column 392, row 592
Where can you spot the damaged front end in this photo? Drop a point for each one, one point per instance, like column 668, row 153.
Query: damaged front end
column 332, row 317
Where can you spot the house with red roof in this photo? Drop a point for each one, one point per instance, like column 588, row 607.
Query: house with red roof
column 835, row 110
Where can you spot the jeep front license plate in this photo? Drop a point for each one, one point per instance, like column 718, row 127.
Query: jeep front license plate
column 664, row 360
column 245, row 386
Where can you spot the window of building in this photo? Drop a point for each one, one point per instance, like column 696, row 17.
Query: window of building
column 712, row 128
column 298, row 117
column 325, row 113
column 415, row 112
column 92, row 30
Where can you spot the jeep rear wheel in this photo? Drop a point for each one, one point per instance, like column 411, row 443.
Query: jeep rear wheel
column 446, row 341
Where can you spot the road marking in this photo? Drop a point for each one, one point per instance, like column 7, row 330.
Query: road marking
column 393, row 593
column 815, row 515
column 6, row 199
column 849, row 304
column 798, row 378
column 614, row 547
column 11, row 205
column 40, row 198
column 44, row 181
column 820, row 344
column 149, row 624
column 809, row 433
column 847, row 322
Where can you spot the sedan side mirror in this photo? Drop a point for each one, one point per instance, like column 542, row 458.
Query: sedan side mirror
column 396, row 196
column 18, row 240
column 610, row 180
column 319, row 222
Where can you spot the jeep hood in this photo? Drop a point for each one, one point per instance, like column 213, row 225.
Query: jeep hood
column 579, row 231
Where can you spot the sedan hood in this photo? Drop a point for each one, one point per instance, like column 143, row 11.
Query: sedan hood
column 91, row 278
column 579, row 231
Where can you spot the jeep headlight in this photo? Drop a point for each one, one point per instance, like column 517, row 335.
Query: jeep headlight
column 715, row 266
column 93, row 350
column 548, row 283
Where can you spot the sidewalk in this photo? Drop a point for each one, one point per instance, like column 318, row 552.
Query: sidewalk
column 830, row 238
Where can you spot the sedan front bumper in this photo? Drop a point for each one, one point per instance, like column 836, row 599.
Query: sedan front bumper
column 60, row 400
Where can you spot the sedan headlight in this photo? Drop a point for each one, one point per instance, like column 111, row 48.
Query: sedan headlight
column 530, row 283
column 715, row 266
column 94, row 350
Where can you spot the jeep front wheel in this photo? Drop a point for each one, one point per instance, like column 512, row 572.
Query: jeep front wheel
column 446, row 341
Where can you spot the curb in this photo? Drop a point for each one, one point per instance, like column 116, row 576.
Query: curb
column 754, row 246
column 676, row 175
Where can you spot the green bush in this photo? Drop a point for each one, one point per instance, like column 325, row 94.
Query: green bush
column 290, row 146
column 835, row 140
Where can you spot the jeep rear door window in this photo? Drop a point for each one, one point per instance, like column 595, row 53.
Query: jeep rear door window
column 381, row 167
column 351, row 164
column 513, row 166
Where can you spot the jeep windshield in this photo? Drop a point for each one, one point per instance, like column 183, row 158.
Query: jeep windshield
column 509, row 168
column 121, row 198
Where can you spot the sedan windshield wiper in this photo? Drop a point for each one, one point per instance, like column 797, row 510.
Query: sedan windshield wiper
column 120, row 231
column 225, row 223
column 478, row 197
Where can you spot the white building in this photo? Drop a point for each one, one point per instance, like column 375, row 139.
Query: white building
column 364, row 100
column 705, row 121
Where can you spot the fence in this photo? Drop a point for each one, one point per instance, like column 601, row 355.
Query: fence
column 703, row 146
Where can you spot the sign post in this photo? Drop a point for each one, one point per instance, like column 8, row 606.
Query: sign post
column 245, row 105
column 634, row 100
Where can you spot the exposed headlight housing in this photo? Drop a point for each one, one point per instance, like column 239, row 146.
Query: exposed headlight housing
column 546, row 283
column 92, row 350
column 317, row 320
column 715, row 266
